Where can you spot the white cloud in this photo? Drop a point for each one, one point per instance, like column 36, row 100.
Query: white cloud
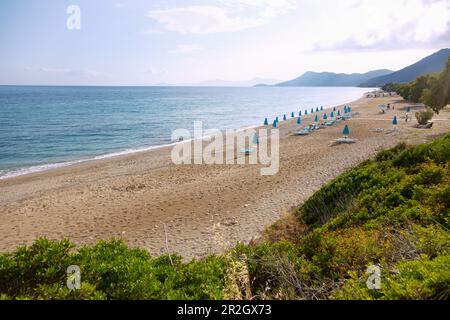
column 185, row 49
column 384, row 24
column 225, row 16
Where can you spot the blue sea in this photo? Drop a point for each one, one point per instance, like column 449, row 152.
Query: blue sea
column 46, row 127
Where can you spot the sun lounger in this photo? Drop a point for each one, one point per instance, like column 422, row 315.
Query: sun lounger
column 344, row 140
column 248, row 151
column 303, row 132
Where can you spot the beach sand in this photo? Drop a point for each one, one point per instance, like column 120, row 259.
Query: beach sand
column 146, row 200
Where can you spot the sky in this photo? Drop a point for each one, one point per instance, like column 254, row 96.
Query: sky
column 138, row 42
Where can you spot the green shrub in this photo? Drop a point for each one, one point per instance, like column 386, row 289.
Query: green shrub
column 424, row 116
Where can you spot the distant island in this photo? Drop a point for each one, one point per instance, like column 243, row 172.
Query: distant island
column 377, row 78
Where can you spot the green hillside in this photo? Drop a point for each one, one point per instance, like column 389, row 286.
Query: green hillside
column 392, row 212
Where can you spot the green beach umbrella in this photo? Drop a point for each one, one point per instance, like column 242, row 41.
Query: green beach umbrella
column 332, row 114
column 339, row 113
column 284, row 117
column 317, row 109
column 349, row 109
column 394, row 121
column 316, row 118
column 321, row 108
column 312, row 110
column 274, row 123
column 276, row 119
column 325, row 117
column 306, row 112
column 266, row 122
column 346, row 131
column 300, row 113
column 299, row 121
column 292, row 115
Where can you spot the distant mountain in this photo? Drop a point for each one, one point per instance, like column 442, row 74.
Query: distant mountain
column 430, row 64
column 225, row 83
column 329, row 79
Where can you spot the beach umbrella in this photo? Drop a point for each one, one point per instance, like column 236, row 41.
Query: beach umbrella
column 299, row 121
column 284, row 117
column 394, row 121
column 312, row 110
column 339, row 113
column 346, row 131
column 276, row 119
column 316, row 118
column 321, row 108
column 325, row 117
column 345, row 109
column 274, row 123
column 334, row 109
column 408, row 109
column 300, row 113
column 306, row 112
column 349, row 109
column 266, row 122
column 332, row 114
column 317, row 109
column 292, row 115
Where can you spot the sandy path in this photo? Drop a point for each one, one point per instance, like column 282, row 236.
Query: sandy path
column 205, row 207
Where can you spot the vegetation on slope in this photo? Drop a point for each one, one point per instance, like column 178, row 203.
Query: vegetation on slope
column 432, row 89
column 392, row 211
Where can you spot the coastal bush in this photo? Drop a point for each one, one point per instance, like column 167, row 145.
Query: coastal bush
column 424, row 116
column 432, row 89
column 392, row 211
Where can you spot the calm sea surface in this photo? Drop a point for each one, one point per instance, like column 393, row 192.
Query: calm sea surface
column 45, row 127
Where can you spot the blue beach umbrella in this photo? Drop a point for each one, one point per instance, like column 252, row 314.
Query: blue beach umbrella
column 316, row 118
column 266, row 122
column 312, row 110
column 306, row 112
column 349, row 109
column 332, row 114
column 321, row 108
column 274, row 123
column 345, row 109
column 284, row 117
column 292, row 115
column 339, row 113
column 346, row 131
column 317, row 109
column 334, row 109
column 325, row 117
column 408, row 109
column 394, row 121
column 276, row 119
column 299, row 121
column 300, row 113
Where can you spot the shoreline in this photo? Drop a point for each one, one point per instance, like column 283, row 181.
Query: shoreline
column 44, row 167
column 206, row 208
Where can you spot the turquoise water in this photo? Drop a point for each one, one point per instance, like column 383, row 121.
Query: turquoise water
column 45, row 127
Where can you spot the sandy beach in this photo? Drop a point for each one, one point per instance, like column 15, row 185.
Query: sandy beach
column 147, row 200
